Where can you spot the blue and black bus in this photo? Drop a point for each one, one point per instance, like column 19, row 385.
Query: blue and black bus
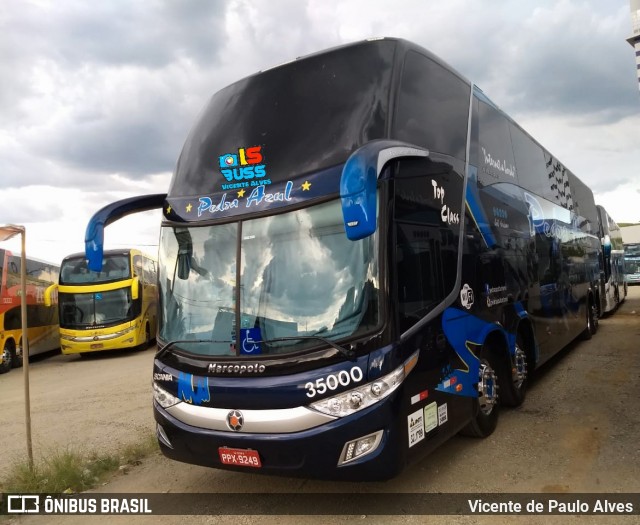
column 357, row 249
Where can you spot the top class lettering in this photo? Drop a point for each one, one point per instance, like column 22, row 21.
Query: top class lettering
column 245, row 165
column 447, row 216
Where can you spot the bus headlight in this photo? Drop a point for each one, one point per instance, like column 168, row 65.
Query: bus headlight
column 363, row 396
column 164, row 398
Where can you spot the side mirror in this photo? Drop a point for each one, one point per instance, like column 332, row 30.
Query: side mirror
column 48, row 293
column 360, row 179
column 606, row 245
column 135, row 285
column 94, row 235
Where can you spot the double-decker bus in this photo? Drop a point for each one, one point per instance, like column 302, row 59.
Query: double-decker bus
column 42, row 320
column 111, row 309
column 613, row 287
column 632, row 263
column 357, row 249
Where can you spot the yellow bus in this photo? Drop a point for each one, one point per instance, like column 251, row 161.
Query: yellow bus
column 113, row 309
column 42, row 320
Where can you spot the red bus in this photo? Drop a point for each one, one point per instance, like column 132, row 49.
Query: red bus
column 42, row 321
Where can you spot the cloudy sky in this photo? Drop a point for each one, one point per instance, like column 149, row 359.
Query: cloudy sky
column 96, row 98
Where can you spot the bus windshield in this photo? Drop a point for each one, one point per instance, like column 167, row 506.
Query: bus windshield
column 75, row 271
column 81, row 310
column 300, row 277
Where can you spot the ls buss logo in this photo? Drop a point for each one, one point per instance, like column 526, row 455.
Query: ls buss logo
column 245, row 165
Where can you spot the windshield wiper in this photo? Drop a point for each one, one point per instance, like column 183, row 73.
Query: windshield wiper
column 349, row 353
column 346, row 352
column 165, row 348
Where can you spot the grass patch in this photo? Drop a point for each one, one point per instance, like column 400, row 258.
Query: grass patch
column 67, row 470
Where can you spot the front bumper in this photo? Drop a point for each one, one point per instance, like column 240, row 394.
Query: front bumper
column 312, row 453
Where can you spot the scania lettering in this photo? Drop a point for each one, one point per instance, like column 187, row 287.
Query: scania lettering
column 413, row 250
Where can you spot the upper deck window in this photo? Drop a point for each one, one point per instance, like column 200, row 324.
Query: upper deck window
column 294, row 119
column 433, row 107
column 75, row 271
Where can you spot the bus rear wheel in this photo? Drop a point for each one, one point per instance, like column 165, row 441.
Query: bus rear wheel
column 147, row 338
column 486, row 419
column 513, row 389
column 8, row 357
column 592, row 320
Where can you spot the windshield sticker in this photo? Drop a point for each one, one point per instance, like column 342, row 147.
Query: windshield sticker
column 257, row 197
column 246, row 164
column 251, row 339
column 193, row 390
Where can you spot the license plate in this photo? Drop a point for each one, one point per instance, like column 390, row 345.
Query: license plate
column 96, row 346
column 239, row 457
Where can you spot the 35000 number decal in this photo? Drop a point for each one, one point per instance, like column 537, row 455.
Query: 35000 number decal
column 333, row 381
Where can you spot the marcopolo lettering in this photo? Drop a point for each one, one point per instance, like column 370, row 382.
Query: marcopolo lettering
column 235, row 368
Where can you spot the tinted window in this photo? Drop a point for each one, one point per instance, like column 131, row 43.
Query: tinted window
column 495, row 154
column 558, row 188
column 433, row 107
column 294, row 119
column 530, row 163
column 76, row 271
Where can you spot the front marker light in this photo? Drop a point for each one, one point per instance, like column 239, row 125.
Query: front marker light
column 363, row 396
column 360, row 447
column 164, row 398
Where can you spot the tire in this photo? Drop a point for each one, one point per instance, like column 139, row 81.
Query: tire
column 18, row 355
column 486, row 419
column 591, row 326
column 147, row 338
column 514, row 377
column 8, row 357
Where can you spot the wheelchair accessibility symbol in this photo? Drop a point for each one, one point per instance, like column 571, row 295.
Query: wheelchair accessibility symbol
column 250, row 338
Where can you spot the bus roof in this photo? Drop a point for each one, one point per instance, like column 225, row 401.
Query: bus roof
column 280, row 137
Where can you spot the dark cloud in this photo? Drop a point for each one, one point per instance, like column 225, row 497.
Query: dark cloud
column 97, row 88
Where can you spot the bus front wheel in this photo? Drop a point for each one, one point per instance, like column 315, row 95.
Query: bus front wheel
column 487, row 410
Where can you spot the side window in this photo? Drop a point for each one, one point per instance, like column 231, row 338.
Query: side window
column 433, row 107
column 558, row 188
column 149, row 271
column 418, row 253
column 495, row 154
column 530, row 161
column 137, row 266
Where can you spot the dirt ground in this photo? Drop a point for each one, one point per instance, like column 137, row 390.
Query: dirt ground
column 577, row 432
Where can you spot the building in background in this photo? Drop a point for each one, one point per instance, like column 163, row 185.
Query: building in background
column 630, row 234
column 634, row 39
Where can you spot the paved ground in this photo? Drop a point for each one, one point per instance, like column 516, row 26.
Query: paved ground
column 577, row 432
